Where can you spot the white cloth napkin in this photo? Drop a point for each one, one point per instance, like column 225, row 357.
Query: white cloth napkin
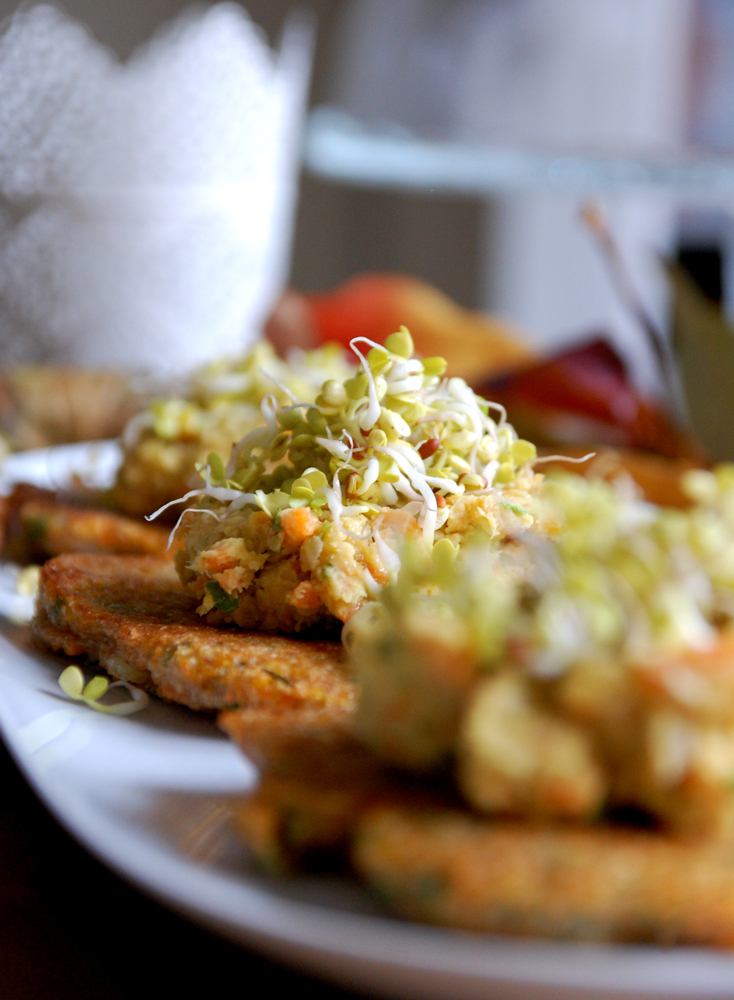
column 145, row 208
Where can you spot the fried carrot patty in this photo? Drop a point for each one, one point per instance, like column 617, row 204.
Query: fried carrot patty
column 131, row 614
column 454, row 869
column 38, row 524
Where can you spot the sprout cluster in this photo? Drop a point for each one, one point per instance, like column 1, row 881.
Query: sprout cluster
column 394, row 434
column 241, row 383
column 618, row 578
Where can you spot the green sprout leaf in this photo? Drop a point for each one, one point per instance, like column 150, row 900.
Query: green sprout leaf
column 225, row 602
column 96, row 688
column 216, row 467
column 72, row 684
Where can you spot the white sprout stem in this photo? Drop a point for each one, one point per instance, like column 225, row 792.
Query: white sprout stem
column 221, row 493
column 134, row 426
column 418, row 481
column 372, row 412
column 442, row 516
column 189, row 510
column 445, row 484
column 387, row 555
column 475, row 415
column 389, row 494
column 371, row 585
column 365, row 340
column 333, row 501
column 562, row 458
column 409, row 454
column 403, row 369
column 353, row 510
column 473, row 457
column 258, row 437
column 499, row 408
column 283, row 388
column 490, row 470
column 370, row 476
column 269, row 408
column 414, row 507
column 333, row 496
column 403, row 486
column 241, row 500
column 443, row 416
column 337, row 448
column 139, row 701
column 404, row 463
column 430, row 510
column 413, row 383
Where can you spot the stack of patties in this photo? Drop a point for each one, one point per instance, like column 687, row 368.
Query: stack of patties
column 549, row 726
column 131, row 614
column 534, row 731
column 274, row 545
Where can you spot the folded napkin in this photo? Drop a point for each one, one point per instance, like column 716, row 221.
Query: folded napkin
column 145, row 207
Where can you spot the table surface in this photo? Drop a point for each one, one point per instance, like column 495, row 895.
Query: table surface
column 70, row 928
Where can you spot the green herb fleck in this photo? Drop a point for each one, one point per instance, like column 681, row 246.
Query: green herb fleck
column 36, row 528
column 278, row 677
column 520, row 511
column 225, row 602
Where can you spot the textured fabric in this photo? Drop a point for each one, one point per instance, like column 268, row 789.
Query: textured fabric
column 146, row 206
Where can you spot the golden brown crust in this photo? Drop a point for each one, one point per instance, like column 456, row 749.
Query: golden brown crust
column 307, row 742
column 316, row 780
column 315, row 776
column 39, row 524
column 450, row 868
column 131, row 614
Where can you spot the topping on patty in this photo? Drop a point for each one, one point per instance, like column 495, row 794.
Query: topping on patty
column 163, row 444
column 305, row 522
column 563, row 673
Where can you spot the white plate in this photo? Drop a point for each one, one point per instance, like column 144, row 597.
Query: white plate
column 148, row 795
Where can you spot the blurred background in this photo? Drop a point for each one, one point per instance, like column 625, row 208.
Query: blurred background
column 640, row 80
column 633, row 76
column 601, row 75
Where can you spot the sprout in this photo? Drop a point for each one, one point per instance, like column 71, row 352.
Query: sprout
column 400, row 343
column 28, row 580
column 72, row 684
column 392, row 434
column 333, row 393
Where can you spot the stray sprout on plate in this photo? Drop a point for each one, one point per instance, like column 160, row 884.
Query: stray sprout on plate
column 18, row 588
column 73, row 685
column 305, row 521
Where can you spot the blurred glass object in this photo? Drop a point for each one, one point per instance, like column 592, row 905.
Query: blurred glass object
column 605, row 77
column 146, row 207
